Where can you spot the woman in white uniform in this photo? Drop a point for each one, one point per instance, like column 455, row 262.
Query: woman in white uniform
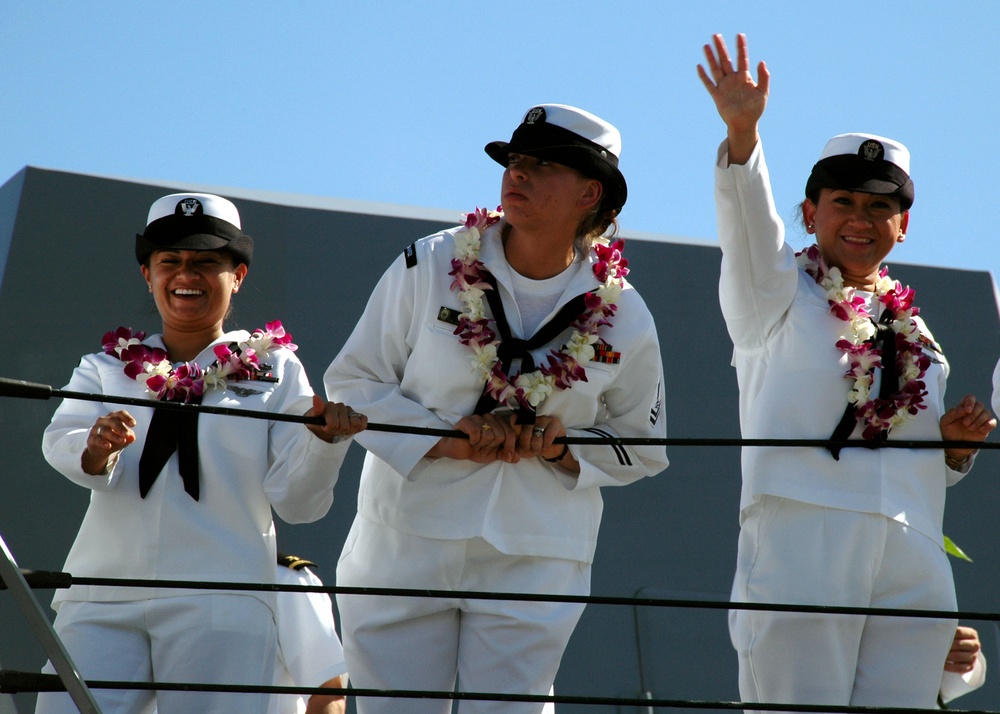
column 515, row 330
column 828, row 346
column 186, row 496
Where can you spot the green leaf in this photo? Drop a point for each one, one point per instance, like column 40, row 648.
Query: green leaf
column 952, row 549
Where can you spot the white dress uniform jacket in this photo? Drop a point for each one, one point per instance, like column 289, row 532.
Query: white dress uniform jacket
column 309, row 650
column 790, row 374
column 247, row 466
column 404, row 365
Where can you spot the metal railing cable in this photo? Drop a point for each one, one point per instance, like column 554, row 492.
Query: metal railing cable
column 13, row 682
column 54, row 579
column 33, row 390
column 68, row 679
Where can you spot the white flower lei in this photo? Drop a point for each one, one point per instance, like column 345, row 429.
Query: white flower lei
column 151, row 366
column 566, row 365
column 878, row 415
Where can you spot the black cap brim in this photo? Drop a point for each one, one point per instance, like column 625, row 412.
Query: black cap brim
column 590, row 162
column 852, row 173
column 176, row 232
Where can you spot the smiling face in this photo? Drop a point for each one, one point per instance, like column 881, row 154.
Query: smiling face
column 192, row 290
column 855, row 231
column 535, row 192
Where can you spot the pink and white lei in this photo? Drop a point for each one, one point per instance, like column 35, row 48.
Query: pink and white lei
column 564, row 366
column 234, row 362
column 878, row 415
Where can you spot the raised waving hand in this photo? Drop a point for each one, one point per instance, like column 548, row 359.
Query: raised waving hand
column 739, row 99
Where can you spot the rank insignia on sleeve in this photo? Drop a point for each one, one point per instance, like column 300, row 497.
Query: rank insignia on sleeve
column 294, row 562
column 411, row 255
column 929, row 343
column 449, row 315
column 604, row 353
column 931, row 346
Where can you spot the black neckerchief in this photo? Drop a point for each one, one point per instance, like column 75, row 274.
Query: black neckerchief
column 169, row 431
column 885, row 339
column 510, row 347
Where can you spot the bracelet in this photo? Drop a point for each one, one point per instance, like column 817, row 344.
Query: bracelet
column 561, row 456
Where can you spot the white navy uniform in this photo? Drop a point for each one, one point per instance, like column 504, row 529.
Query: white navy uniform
column 881, row 545
column 247, row 467
column 456, row 524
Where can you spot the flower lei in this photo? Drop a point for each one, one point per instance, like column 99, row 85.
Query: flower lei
column 878, row 415
column 564, row 366
column 151, row 366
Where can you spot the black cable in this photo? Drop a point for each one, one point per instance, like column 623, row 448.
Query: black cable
column 32, row 390
column 13, row 682
column 50, row 579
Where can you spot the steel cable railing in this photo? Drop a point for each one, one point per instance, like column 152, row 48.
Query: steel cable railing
column 14, row 682
column 41, row 579
column 32, row 682
column 32, row 390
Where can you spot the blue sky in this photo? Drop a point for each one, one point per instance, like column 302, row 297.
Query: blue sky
column 392, row 102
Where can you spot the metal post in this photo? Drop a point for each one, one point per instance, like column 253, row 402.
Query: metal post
column 40, row 625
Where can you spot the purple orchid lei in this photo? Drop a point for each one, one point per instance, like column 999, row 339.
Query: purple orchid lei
column 234, row 362
column 564, row 366
column 878, row 415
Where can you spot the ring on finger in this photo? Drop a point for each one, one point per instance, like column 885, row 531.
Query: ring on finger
column 99, row 430
column 485, row 427
column 351, row 415
column 538, row 431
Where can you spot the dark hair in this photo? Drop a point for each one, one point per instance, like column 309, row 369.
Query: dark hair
column 596, row 224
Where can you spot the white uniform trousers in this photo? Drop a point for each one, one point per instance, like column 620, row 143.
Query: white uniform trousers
column 205, row 638
column 427, row 643
column 797, row 553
